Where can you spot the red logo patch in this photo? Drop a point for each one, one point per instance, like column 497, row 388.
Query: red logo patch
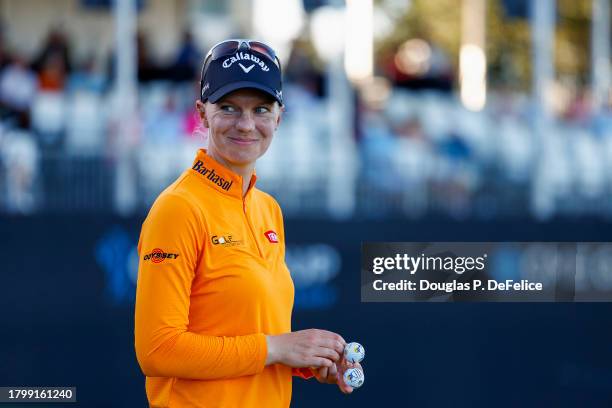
column 272, row 237
column 157, row 255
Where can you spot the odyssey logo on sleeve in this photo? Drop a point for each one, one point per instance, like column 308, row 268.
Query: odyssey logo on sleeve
column 158, row 255
column 272, row 237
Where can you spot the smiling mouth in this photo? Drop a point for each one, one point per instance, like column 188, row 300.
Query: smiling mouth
column 242, row 141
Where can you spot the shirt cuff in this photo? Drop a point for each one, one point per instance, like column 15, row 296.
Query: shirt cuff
column 302, row 372
column 262, row 351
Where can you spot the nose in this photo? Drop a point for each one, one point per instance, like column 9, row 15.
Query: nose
column 246, row 122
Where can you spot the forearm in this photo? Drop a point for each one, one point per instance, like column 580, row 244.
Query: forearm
column 304, row 349
column 202, row 357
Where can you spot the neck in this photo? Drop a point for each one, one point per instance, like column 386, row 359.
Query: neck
column 244, row 171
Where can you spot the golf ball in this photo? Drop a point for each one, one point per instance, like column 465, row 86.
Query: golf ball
column 354, row 352
column 354, row 377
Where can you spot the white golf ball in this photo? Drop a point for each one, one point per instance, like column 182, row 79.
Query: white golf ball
column 354, row 377
column 354, row 352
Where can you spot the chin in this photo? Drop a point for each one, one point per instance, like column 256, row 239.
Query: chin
column 242, row 158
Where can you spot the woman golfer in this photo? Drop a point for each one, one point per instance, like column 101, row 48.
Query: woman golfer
column 214, row 296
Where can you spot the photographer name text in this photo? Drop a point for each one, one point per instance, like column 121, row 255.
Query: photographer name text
column 453, row 286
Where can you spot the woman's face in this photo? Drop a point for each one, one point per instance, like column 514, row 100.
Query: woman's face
column 241, row 126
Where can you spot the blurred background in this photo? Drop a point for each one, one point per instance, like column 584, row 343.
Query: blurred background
column 406, row 120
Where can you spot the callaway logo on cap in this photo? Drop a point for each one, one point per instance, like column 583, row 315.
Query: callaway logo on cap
column 248, row 57
column 237, row 64
column 245, row 69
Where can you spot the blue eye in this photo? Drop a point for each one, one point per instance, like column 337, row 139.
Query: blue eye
column 228, row 108
column 262, row 109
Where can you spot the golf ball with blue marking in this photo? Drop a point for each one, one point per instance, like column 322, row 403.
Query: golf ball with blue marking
column 354, row 377
column 354, row 352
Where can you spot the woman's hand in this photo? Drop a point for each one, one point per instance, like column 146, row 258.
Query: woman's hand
column 305, row 348
column 335, row 374
column 326, row 375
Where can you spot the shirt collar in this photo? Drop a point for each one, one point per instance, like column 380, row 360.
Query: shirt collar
column 218, row 176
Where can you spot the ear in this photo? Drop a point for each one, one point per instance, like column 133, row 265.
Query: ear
column 201, row 108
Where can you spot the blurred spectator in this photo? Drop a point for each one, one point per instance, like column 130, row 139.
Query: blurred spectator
column 49, row 116
column 52, row 74
column 5, row 56
column 163, row 124
column 602, row 124
column 147, row 69
column 378, row 145
column 301, row 71
column 455, row 148
column 87, row 77
column 188, row 60
column 418, row 64
column 413, row 160
column 579, row 109
column 19, row 161
column 420, row 151
column 53, row 62
column 18, row 86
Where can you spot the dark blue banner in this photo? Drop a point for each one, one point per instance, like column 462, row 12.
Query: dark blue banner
column 66, row 308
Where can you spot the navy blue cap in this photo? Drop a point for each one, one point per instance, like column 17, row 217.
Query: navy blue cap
column 244, row 69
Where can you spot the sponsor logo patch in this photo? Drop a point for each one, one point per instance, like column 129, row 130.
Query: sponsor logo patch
column 243, row 56
column 246, row 69
column 210, row 174
column 205, row 87
column 272, row 237
column 158, row 255
column 225, row 240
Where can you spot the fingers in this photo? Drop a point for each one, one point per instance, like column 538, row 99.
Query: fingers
column 327, row 335
column 329, row 353
column 346, row 389
column 343, row 386
column 333, row 344
column 324, row 356
column 332, row 375
column 344, row 365
column 321, row 374
column 328, row 338
column 325, row 344
column 335, row 372
column 319, row 362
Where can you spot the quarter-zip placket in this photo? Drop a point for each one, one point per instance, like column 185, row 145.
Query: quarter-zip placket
column 248, row 221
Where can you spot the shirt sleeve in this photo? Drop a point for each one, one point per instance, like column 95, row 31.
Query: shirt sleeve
column 170, row 243
column 303, row 372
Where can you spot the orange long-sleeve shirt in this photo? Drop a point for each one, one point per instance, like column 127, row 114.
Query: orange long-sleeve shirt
column 212, row 282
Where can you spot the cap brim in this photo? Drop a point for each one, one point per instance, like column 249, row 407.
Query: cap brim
column 224, row 90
